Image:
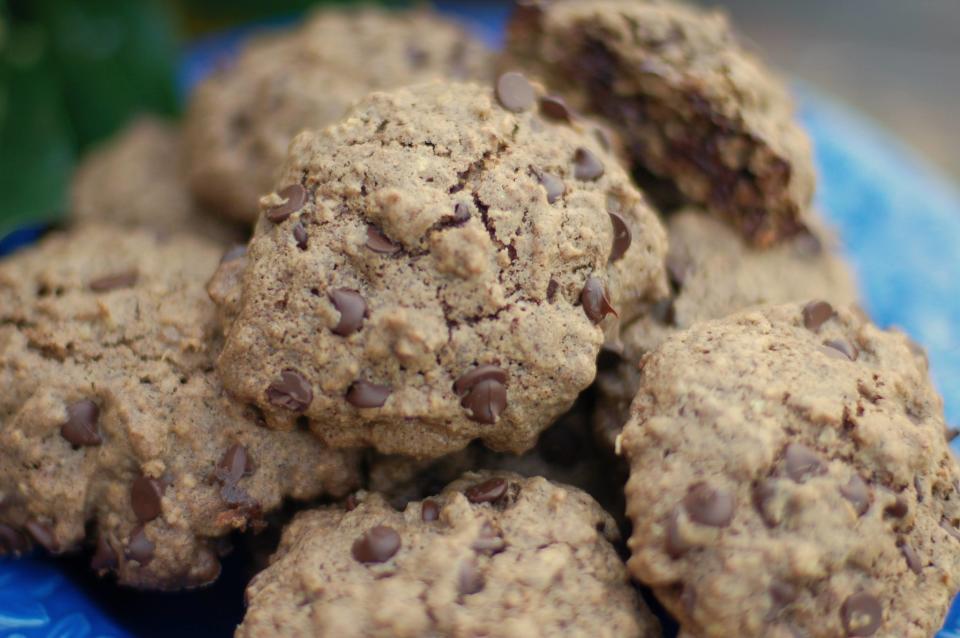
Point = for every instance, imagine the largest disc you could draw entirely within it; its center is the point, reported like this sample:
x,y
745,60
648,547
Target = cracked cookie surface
x,y
790,476
114,431
241,120
136,179
690,103
438,268
494,554
713,273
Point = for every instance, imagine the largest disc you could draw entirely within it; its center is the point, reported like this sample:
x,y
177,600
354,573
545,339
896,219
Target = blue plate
x,y
899,220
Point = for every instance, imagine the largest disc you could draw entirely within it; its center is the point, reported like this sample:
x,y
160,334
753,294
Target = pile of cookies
x,y
479,317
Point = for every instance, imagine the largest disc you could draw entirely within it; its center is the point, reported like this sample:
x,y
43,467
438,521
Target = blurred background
x,y
73,71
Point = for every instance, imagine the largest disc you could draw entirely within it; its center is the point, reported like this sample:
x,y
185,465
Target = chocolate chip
x,y
115,281
952,434
763,493
817,313
139,547
844,347
380,243
515,92
351,503
461,213
145,498
803,463
43,536
469,579
595,302
857,492
588,167
12,542
484,393
486,492
104,557
300,236
554,107
913,561
81,427
429,511
291,392
363,394
378,545
237,252
234,465
782,593
675,545
489,541
604,138
552,184
897,509
296,198
486,372
862,614
552,287
950,529
622,237
352,308
709,505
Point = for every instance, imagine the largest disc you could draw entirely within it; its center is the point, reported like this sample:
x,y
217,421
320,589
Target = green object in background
x,y
206,14
71,73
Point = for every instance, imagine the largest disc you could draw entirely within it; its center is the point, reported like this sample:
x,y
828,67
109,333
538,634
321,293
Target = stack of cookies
x,y
480,318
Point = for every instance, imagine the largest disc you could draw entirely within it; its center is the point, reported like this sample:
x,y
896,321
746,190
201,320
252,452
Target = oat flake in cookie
x,y
115,434
690,103
136,179
790,476
439,267
241,120
493,555
714,273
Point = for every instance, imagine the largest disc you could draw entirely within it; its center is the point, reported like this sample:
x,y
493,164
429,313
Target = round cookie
x,y
135,179
241,120
689,102
493,555
439,267
790,476
114,431
714,273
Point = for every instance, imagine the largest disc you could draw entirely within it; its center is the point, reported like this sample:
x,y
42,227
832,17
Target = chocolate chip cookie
x,y
440,267
136,179
714,273
114,431
690,102
789,476
493,555
241,120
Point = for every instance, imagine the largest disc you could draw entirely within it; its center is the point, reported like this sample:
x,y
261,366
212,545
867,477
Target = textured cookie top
x,y
242,119
714,273
439,267
136,179
790,476
690,102
114,431
493,555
